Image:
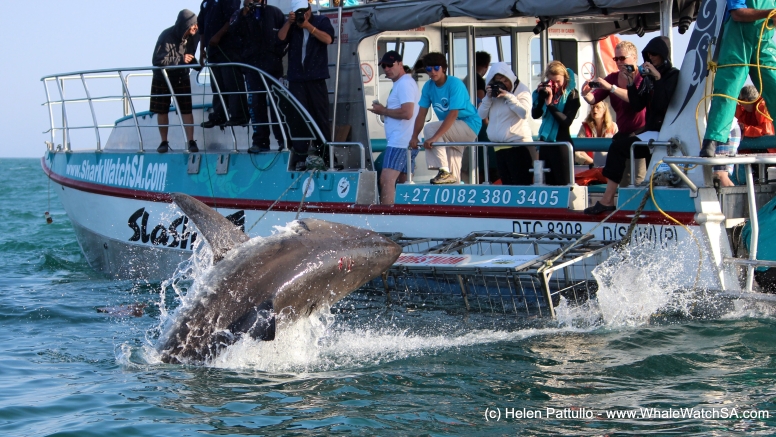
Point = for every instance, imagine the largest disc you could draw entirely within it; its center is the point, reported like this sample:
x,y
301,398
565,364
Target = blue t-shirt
x,y
451,95
735,4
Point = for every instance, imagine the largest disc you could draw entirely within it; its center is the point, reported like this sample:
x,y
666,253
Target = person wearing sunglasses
x,y
657,87
399,111
458,120
615,86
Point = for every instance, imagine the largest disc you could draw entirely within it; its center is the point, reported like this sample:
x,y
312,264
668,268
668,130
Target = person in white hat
x,y
308,38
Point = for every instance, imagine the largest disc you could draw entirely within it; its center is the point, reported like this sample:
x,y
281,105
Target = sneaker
x,y
444,177
164,147
193,147
211,123
708,149
315,163
599,208
300,166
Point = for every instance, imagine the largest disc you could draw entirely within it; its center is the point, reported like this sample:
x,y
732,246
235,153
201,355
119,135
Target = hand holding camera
x,y
545,90
496,88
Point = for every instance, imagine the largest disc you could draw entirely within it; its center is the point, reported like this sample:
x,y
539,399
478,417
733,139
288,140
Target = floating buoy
x,y
49,220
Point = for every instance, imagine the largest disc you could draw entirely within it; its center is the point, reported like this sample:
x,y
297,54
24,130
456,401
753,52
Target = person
x,y
507,104
308,38
742,40
176,46
723,172
257,25
598,124
654,93
458,120
399,111
615,86
556,102
218,45
753,117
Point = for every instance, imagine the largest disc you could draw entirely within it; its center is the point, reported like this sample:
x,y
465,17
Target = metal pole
x,y
485,164
132,108
275,110
755,226
223,105
544,52
409,167
177,106
336,74
51,111
91,106
65,132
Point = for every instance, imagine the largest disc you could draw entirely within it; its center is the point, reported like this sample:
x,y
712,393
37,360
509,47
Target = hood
x,y
185,20
657,45
503,69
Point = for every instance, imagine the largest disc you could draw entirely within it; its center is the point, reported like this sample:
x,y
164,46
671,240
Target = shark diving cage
x,y
499,273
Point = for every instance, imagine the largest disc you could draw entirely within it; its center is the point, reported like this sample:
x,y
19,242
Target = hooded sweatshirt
x,y
508,114
173,44
655,95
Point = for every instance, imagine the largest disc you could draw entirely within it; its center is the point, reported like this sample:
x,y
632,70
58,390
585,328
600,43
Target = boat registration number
x,y
483,195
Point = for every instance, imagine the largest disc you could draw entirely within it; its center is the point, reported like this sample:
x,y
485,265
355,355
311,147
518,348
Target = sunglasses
x,y
620,58
387,66
435,68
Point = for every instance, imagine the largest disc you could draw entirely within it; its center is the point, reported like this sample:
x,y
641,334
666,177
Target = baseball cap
x,y
390,57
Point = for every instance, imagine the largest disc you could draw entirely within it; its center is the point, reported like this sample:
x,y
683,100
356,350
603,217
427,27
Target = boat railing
x,y
486,180
743,160
671,146
60,107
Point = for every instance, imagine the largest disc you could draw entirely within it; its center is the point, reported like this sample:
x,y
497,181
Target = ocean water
x,y
703,366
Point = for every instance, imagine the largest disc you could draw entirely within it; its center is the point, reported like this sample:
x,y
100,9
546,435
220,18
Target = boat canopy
x,y
404,15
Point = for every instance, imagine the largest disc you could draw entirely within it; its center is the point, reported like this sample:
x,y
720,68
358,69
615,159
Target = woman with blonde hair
x,y
556,102
598,124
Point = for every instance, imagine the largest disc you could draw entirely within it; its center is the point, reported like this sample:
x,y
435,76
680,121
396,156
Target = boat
x,y
114,186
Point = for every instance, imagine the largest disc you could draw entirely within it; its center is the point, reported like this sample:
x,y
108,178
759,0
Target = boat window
x,y
563,50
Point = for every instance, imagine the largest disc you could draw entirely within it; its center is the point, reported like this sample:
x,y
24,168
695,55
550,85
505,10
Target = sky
x,y
48,37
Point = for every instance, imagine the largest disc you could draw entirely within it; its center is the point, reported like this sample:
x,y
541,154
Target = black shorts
x,y
160,93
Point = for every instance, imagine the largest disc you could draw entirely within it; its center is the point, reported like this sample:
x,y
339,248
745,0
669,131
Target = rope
x,y
276,202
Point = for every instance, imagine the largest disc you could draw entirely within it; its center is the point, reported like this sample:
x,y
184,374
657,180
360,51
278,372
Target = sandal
x,y
598,208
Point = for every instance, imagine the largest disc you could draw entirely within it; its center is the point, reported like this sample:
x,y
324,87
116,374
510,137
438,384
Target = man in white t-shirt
x,y
399,111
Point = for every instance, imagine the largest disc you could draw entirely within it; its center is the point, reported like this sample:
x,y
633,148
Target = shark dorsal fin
x,y
221,234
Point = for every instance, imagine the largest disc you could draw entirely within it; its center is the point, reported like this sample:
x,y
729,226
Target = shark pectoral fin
x,y
258,322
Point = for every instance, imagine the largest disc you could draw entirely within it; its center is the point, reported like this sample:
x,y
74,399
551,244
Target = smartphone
x,y
375,102
594,85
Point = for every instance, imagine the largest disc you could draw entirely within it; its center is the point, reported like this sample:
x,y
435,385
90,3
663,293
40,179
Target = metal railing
x,y
485,147
666,144
360,146
128,100
747,162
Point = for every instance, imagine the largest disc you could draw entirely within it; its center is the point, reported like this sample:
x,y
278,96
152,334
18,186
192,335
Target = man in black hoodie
x,y
654,93
257,25
175,46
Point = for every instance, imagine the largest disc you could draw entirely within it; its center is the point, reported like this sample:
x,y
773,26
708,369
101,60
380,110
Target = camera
x,y
299,14
643,70
496,87
255,5
543,93
594,85
629,68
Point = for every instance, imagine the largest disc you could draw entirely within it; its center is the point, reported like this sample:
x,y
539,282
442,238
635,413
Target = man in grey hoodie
x,y
175,46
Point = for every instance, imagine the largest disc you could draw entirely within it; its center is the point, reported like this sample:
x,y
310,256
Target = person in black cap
x,y
308,38
399,112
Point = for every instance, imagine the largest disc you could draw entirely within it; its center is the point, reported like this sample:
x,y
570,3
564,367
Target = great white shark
x,y
257,286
